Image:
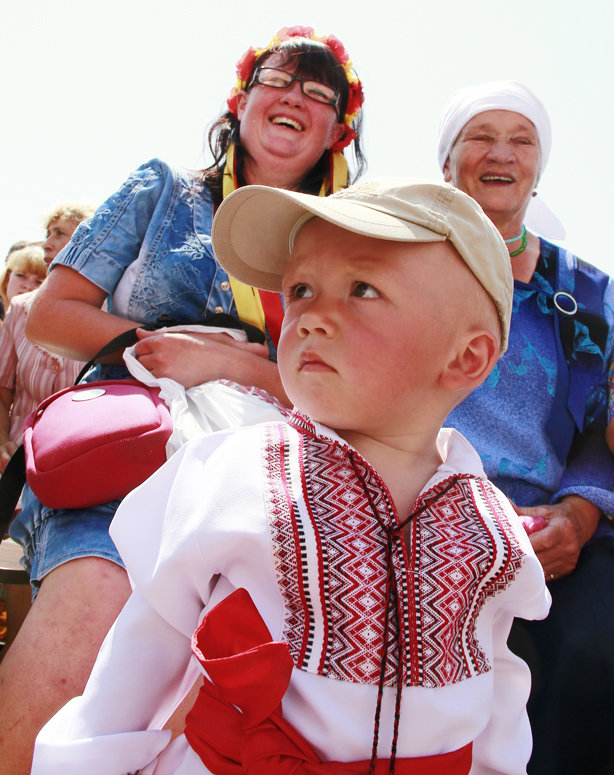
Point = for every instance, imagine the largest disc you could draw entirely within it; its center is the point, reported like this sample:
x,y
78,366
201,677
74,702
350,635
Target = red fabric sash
x,y
251,672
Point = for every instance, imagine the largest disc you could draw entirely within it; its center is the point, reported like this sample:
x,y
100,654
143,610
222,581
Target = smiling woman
x,y
147,252
283,126
496,160
539,425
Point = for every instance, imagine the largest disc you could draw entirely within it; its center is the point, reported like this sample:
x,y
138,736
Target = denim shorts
x,y
51,537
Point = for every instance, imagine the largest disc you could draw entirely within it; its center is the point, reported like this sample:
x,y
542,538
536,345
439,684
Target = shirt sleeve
x,y
504,745
589,472
105,245
145,665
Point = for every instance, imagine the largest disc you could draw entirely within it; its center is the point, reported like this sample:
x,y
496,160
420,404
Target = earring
x,y
534,193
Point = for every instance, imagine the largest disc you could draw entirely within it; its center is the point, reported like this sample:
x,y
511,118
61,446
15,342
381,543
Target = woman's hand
x,y
570,524
193,358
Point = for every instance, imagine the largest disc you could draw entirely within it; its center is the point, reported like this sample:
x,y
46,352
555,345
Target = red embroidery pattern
x,y
329,550
463,556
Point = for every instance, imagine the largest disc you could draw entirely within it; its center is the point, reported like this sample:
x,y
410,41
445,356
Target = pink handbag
x,y
95,442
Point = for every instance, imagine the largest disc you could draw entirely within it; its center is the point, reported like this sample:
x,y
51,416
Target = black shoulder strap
x,y
128,338
578,300
120,342
11,484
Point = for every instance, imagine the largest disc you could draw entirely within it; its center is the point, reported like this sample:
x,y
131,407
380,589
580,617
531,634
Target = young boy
x,y
352,563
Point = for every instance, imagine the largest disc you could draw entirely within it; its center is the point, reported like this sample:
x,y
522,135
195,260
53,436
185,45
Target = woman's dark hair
x,y
313,60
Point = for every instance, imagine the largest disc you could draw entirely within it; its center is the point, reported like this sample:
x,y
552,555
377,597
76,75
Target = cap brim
x,y
252,229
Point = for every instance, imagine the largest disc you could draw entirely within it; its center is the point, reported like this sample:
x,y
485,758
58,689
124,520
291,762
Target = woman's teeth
x,y
289,122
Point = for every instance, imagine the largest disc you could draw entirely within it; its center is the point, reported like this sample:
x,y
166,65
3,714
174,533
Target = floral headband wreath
x,y
245,66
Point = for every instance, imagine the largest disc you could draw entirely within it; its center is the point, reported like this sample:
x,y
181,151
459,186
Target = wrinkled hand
x,y
194,358
570,524
6,452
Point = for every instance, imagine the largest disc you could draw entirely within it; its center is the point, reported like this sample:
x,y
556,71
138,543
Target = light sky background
x,y
90,90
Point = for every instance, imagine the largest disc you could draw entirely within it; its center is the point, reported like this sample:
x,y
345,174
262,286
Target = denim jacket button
x,y
218,310
225,286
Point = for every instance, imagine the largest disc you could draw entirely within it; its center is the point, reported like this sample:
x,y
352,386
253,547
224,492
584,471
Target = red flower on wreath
x,y
297,31
337,47
245,65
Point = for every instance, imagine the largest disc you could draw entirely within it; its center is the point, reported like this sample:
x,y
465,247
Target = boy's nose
x,y
316,320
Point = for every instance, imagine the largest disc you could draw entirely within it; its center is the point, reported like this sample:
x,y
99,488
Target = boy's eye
x,y
20,275
365,291
300,291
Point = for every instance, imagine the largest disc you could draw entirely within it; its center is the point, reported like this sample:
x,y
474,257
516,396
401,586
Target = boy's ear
x,y
475,358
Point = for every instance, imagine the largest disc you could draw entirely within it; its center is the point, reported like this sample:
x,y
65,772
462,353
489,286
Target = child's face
x,y
368,324
21,282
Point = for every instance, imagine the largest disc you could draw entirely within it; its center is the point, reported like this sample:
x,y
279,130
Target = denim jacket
x,y
149,247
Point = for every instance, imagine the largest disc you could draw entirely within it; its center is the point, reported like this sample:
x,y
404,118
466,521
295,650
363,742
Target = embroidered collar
x,y
457,454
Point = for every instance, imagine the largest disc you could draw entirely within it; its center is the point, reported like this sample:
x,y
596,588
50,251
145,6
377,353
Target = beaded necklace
x,y
523,245
514,239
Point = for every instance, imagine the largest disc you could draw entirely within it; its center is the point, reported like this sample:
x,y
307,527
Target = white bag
x,y
212,406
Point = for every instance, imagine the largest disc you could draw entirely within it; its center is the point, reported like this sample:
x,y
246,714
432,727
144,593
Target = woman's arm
x,y
66,317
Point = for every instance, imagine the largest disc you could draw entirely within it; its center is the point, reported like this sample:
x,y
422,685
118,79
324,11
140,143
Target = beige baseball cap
x,y
255,227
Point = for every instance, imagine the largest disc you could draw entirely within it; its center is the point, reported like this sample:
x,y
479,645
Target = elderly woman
x,y
294,109
538,423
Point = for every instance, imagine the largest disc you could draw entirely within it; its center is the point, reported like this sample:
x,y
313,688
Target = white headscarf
x,y
502,95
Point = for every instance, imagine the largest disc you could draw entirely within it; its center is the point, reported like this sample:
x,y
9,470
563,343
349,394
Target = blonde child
x,y
24,270
354,572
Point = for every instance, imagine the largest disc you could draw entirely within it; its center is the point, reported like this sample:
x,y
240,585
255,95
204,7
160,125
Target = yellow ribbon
x,y
247,298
